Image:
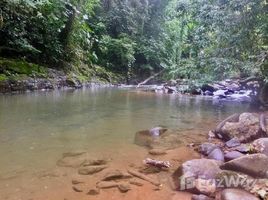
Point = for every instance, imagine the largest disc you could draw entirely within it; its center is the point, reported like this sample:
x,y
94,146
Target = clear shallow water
x,y
36,128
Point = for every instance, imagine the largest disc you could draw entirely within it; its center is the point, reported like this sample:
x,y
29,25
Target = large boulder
x,y
232,179
196,175
158,138
246,129
235,194
200,168
255,165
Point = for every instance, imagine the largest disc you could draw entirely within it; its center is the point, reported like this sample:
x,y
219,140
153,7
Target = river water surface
x,y
36,128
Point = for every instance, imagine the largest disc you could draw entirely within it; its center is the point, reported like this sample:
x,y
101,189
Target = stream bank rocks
x,y
234,164
227,90
54,80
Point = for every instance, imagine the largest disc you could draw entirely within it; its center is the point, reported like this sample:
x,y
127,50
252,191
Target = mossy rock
x,y
3,77
11,67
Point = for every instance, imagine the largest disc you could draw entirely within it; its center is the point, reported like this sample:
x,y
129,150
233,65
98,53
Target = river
x,y
36,128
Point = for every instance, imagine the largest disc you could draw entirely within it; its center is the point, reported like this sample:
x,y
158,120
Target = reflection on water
x,y
35,128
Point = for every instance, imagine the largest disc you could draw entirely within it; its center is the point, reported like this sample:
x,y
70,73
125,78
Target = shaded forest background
x,y
200,40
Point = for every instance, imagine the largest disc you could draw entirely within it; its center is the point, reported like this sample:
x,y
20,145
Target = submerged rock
x,y
73,160
114,175
255,165
164,139
157,152
77,159
236,194
77,188
91,169
124,187
156,131
94,191
106,184
136,182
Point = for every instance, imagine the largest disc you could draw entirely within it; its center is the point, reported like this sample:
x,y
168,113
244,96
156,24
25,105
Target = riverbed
x,y
37,128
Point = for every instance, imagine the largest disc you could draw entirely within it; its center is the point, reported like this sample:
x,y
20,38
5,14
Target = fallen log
x,y
232,118
157,163
143,177
150,78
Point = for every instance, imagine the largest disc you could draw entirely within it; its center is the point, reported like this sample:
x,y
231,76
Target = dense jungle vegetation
x,y
200,40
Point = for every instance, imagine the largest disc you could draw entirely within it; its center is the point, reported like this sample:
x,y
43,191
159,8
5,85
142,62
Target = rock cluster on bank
x,y
234,164
229,89
55,80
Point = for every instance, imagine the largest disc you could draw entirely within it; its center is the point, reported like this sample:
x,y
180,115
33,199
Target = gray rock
x,y
200,197
261,145
200,168
206,148
233,142
243,148
232,155
194,174
255,165
156,131
245,130
216,154
236,194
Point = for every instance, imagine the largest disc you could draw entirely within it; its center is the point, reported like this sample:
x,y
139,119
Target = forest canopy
x,y
201,40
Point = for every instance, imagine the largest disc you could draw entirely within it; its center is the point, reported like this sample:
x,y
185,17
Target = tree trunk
x,y
150,78
67,30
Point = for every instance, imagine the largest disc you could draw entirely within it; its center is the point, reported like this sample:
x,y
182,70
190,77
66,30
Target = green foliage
x,y
9,67
201,40
3,77
212,40
118,54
